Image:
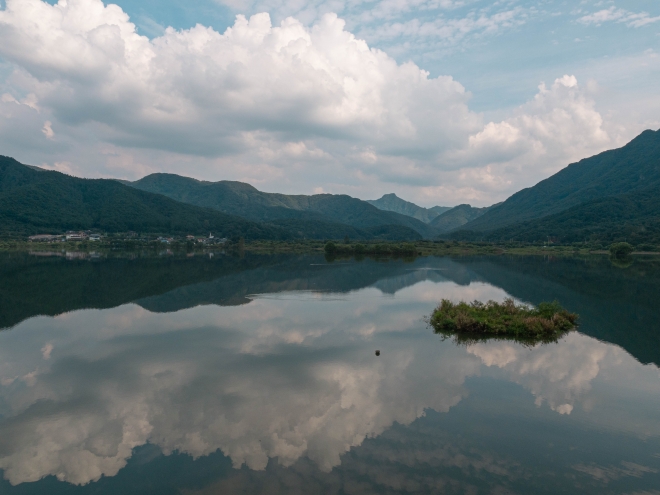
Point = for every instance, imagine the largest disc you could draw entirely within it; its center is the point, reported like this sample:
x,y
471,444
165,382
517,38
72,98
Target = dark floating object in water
x,y
377,352
471,322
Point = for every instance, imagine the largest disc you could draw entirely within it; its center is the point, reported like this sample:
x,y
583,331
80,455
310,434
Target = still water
x,y
258,375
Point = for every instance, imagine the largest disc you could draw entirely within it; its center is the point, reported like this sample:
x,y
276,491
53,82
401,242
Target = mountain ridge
x,y
633,166
391,202
33,201
633,217
243,199
457,217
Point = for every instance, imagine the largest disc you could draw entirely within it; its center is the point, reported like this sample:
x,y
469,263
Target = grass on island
x,y
471,322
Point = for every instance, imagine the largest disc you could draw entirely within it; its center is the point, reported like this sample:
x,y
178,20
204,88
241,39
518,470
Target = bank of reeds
x,y
471,322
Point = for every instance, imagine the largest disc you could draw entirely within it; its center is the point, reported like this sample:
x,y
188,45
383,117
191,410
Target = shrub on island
x,y
621,249
469,322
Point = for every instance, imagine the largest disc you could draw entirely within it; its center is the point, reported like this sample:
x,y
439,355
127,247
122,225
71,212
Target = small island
x,y
475,321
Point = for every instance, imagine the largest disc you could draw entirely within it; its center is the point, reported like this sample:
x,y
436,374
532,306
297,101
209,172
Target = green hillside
x,y
242,199
36,201
632,217
391,202
456,217
635,166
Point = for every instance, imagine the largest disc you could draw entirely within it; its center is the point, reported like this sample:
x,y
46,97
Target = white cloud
x,y
558,126
48,129
614,14
560,121
202,92
286,107
448,31
358,11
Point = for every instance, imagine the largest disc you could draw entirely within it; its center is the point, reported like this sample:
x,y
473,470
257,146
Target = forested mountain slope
x,y
456,217
39,201
635,166
633,217
391,202
242,199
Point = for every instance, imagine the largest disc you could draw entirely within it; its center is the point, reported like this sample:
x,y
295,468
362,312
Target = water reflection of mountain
x,y
307,274
31,285
616,305
285,395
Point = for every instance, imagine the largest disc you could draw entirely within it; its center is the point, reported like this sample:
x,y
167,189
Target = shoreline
x,y
422,248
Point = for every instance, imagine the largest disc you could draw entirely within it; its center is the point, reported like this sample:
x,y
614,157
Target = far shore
x,y
421,248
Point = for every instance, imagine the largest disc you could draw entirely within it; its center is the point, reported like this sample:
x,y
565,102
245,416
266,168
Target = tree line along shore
x,y
331,248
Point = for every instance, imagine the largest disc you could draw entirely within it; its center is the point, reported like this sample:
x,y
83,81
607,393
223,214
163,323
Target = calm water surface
x,y
253,375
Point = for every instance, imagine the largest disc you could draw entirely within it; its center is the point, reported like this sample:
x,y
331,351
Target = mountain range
x,y
457,217
34,201
609,197
288,211
391,202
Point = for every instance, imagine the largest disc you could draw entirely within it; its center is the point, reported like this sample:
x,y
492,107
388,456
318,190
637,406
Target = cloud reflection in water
x,y
282,377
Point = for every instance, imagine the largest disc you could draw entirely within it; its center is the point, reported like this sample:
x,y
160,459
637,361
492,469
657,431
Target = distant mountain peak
x,y
457,217
391,202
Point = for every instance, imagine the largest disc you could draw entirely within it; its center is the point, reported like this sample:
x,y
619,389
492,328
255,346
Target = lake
x,y
258,374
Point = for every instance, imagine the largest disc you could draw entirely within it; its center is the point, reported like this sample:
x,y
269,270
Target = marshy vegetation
x,y
475,321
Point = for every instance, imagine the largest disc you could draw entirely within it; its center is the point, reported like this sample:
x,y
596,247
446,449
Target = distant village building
x,y
94,237
75,236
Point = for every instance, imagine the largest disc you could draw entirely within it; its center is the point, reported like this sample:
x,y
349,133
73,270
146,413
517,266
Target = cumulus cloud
x,y
297,106
203,92
558,126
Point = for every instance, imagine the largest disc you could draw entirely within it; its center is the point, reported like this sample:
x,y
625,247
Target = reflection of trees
x,y
467,340
32,286
622,261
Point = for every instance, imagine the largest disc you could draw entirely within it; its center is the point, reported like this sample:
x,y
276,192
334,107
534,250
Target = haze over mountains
x,y
611,196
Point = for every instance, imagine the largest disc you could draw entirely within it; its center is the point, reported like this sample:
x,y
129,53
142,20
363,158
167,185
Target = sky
x,y
442,102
